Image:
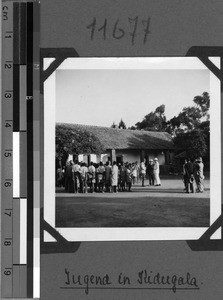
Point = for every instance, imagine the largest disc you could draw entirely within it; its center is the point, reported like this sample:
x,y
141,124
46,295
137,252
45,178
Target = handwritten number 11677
x,y
119,32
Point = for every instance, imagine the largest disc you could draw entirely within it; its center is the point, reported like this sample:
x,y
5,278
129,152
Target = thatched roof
x,y
115,138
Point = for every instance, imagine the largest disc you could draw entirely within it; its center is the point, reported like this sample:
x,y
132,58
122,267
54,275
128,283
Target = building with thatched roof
x,y
128,145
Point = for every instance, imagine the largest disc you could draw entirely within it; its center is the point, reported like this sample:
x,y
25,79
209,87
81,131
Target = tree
x,y
193,142
191,128
204,127
122,124
203,102
71,140
132,128
191,117
154,121
114,125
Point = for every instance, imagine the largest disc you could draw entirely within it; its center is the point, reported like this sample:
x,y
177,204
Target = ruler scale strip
x,y
7,153
19,131
20,125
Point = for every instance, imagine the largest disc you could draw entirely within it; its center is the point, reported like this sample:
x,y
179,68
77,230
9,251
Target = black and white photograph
x,y
112,158
132,143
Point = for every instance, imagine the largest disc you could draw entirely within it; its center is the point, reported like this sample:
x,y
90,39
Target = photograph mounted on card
x,y
131,148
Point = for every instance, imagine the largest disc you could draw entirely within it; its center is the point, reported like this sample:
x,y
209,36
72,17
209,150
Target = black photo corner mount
x,y
204,243
60,54
61,245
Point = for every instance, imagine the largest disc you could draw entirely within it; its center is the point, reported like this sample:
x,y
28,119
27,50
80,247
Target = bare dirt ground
x,y
165,206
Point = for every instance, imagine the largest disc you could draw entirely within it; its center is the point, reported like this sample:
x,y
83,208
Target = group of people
x,y
193,172
78,177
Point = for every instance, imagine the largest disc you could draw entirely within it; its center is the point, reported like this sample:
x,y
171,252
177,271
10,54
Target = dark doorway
x,y
119,159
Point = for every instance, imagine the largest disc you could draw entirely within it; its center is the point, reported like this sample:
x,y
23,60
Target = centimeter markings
x,y
20,85
19,149
7,153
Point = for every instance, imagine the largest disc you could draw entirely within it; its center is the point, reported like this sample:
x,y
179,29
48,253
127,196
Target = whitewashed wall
x,y
128,156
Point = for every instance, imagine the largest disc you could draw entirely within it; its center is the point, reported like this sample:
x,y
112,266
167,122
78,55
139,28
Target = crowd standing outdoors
x,y
77,177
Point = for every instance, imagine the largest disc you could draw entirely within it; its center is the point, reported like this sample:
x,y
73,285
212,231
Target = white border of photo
x,y
134,233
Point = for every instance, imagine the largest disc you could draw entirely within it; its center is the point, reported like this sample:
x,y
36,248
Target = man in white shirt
x,y
100,174
83,178
76,175
76,167
91,176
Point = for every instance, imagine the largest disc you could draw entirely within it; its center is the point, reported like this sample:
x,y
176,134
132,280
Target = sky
x,y
103,96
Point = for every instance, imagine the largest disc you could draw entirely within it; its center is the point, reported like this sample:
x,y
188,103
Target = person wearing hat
x,y
150,172
199,174
157,172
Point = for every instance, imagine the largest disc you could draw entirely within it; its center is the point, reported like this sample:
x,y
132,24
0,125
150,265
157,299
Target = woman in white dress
x,y
157,172
114,176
